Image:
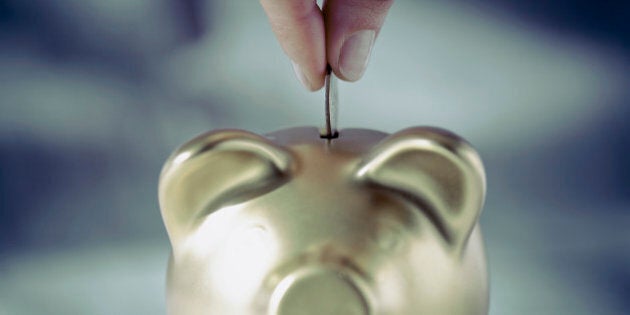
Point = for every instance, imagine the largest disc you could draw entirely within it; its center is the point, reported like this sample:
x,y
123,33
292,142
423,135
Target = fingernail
x,y
355,54
301,76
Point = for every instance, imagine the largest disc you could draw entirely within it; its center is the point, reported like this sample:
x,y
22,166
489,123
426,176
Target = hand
x,y
342,35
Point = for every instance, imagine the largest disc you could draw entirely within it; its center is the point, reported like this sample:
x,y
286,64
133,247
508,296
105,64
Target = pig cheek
x,y
415,268
391,241
243,262
223,263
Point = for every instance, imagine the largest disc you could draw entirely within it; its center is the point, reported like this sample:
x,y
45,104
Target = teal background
x,y
94,95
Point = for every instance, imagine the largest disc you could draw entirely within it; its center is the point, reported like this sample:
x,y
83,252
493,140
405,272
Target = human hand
x,y
341,34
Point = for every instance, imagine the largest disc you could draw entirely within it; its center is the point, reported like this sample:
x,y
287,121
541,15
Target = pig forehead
x,y
324,174
324,186
303,214
323,182
349,141
326,162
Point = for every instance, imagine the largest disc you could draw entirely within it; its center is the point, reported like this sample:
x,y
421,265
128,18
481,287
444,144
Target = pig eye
x,y
254,239
389,235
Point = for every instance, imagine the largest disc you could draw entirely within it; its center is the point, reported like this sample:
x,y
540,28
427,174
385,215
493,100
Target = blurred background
x,y
94,95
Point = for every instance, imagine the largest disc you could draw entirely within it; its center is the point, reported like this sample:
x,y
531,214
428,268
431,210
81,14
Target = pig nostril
x,y
318,290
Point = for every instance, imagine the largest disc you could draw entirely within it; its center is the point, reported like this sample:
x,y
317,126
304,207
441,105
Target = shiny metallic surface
x,y
291,223
318,290
331,105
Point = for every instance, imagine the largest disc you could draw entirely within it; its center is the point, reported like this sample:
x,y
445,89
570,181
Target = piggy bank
x,y
293,224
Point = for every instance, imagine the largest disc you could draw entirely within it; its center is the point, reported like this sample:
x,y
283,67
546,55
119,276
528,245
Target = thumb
x,y
351,28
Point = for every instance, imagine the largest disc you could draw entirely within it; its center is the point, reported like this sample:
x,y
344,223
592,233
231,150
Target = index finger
x,y
299,27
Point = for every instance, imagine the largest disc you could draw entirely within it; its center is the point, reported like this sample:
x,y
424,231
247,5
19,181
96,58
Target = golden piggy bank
x,y
293,224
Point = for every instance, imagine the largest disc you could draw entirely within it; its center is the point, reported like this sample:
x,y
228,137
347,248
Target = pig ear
x,y
436,170
216,169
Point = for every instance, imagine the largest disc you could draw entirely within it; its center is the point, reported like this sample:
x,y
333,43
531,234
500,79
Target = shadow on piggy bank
x,y
293,224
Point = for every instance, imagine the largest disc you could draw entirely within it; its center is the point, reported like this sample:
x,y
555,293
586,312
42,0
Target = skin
x,y
313,37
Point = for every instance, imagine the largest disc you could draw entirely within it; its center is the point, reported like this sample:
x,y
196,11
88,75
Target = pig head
x,y
292,224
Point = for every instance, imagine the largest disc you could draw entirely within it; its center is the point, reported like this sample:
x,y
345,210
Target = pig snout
x,y
312,290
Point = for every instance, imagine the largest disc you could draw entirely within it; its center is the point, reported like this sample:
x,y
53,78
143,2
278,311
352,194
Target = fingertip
x,y
317,82
300,75
312,81
355,54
